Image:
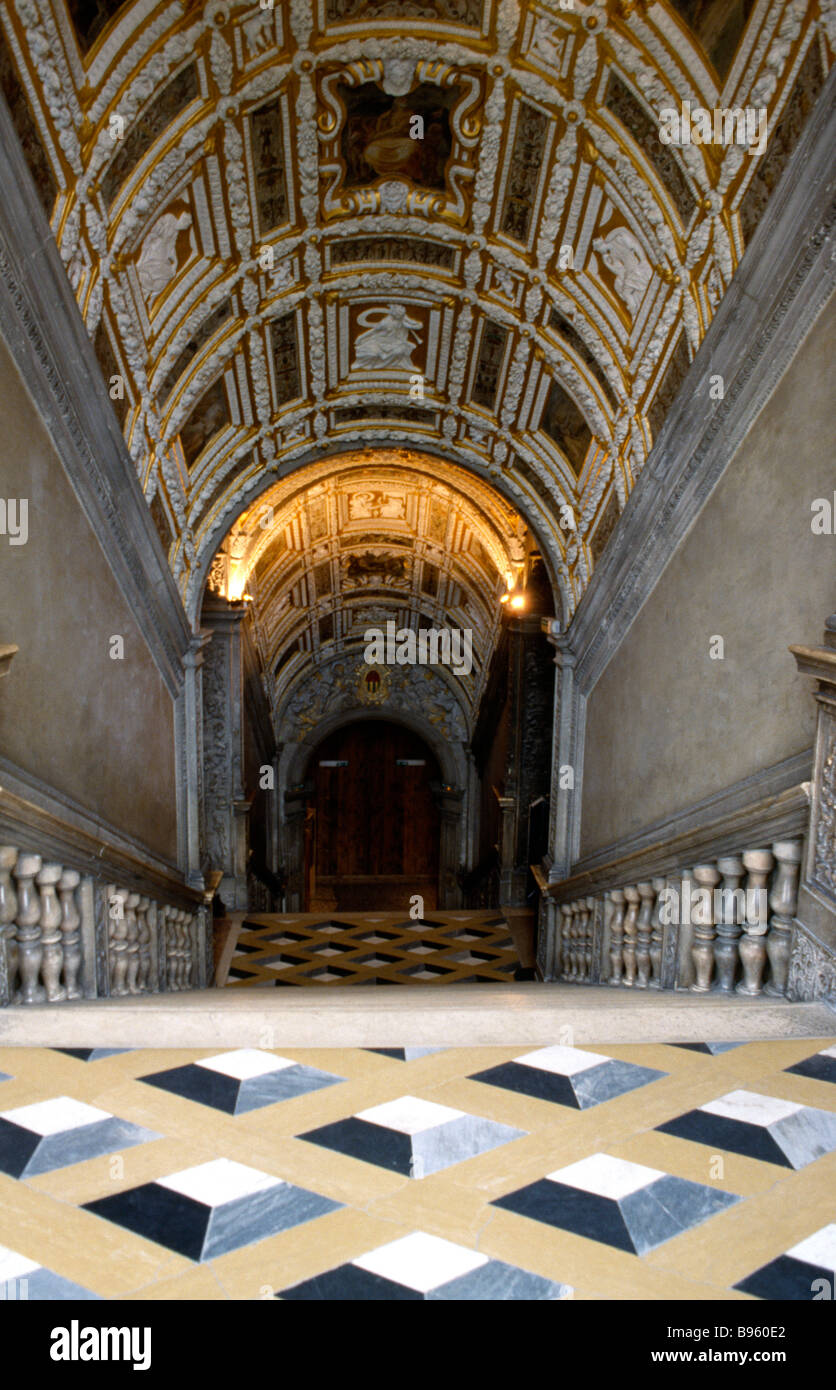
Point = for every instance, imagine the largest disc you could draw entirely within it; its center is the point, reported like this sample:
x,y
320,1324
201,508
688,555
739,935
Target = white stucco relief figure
x,y
621,253
387,339
369,506
157,263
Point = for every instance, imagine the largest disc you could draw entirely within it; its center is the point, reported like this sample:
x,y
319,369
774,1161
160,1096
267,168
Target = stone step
x,y
471,1015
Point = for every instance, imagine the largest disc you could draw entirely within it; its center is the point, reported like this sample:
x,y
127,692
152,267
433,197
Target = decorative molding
x,y
812,973
37,819
770,805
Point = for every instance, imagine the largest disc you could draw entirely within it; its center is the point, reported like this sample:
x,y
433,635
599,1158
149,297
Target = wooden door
x,y
377,822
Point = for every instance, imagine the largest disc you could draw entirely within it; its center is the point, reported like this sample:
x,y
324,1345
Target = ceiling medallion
x,y
372,683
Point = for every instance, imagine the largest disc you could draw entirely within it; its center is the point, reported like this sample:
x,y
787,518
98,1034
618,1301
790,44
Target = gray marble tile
x,y
261,1214
458,1140
668,1207
805,1136
87,1141
613,1078
500,1282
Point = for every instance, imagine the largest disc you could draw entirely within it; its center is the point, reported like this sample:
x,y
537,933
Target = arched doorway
x,y
373,840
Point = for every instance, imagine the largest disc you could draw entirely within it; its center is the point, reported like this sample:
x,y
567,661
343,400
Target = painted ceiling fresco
x,y
278,263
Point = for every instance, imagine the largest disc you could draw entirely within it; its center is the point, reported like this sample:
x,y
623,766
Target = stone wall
x,y
97,730
667,725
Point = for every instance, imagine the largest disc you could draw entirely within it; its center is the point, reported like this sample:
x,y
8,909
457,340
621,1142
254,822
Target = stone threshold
x,y
467,1015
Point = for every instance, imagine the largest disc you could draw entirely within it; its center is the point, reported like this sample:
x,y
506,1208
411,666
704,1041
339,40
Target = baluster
x,y
782,900
752,947
565,929
132,943
630,921
70,931
171,938
580,954
8,913
52,958
644,930
189,951
657,934
577,910
117,941
728,923
702,950
589,943
618,899
143,978
29,948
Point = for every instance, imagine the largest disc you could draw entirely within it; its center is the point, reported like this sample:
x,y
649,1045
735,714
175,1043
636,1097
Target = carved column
x,y
30,952
618,899
8,913
728,922
752,948
702,950
226,804
782,901
450,801
644,931
71,931
583,931
657,935
53,955
812,973
630,922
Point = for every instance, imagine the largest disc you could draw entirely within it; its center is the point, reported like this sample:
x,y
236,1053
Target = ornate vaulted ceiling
x,y
366,539
300,229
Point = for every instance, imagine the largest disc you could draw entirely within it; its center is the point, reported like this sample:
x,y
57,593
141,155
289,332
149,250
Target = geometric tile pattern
x,y
764,1127
568,1076
92,1054
411,1136
793,1275
240,1081
56,1133
624,1204
212,1208
820,1067
373,949
22,1279
405,1054
421,1266
260,1184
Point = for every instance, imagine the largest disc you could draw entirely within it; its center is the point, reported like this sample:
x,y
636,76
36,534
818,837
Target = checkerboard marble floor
x,y
694,1172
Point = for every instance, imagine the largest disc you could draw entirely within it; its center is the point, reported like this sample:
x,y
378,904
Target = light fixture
x,y
517,600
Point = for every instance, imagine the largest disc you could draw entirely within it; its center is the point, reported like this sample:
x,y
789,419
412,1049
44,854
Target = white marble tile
x,y
818,1249
750,1108
563,1061
409,1115
245,1063
606,1176
54,1116
221,1180
421,1262
827,1052
14,1266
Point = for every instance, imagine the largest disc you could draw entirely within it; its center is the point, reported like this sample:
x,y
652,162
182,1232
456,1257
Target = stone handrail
x,y
722,925
69,935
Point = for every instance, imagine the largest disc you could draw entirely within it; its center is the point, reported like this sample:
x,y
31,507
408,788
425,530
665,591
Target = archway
x,y
373,838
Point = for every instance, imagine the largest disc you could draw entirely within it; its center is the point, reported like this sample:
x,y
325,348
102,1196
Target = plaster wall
x,y
666,724
98,730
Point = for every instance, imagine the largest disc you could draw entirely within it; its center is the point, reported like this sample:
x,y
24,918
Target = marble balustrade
x,y
65,935
723,926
